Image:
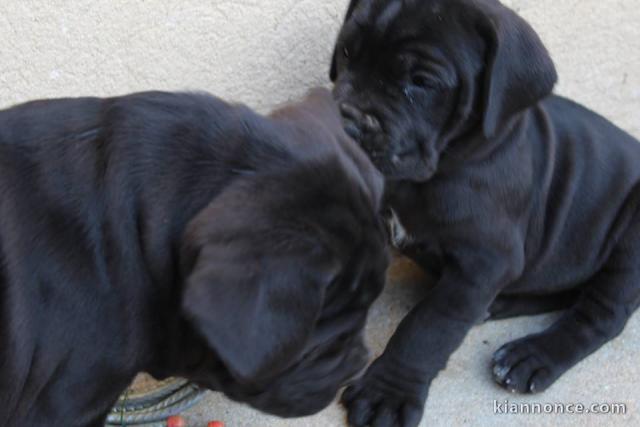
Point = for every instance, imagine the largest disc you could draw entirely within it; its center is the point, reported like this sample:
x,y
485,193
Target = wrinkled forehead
x,y
383,12
444,23
446,28
381,17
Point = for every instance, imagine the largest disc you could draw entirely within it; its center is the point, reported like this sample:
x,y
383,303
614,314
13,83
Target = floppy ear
x,y
520,71
253,290
333,73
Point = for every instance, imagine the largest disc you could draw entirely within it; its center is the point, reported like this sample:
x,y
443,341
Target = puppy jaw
x,y
313,382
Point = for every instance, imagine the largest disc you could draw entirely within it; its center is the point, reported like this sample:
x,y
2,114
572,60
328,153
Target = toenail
x,y
500,371
499,354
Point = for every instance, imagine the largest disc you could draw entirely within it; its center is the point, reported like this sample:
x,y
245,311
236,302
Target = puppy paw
x,y
525,366
382,398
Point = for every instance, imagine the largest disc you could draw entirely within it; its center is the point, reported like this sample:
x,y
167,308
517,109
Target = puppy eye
x,y
424,80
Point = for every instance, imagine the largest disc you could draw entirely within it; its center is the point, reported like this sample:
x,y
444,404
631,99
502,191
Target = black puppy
x,y
180,235
520,201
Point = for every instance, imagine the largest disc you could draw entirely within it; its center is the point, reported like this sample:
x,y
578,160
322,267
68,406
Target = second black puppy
x,y
520,201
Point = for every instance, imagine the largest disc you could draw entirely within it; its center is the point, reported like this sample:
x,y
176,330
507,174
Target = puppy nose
x,y
361,120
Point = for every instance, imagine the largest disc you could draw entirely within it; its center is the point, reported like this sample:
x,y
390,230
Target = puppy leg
x,y
533,363
393,390
506,306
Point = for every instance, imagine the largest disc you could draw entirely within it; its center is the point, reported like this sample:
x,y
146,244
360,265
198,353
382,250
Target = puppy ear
x,y
254,289
333,73
520,71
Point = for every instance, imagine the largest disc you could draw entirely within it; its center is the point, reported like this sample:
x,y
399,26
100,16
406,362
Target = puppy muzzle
x,y
312,385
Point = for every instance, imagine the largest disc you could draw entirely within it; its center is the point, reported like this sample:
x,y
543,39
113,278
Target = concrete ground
x,y
267,52
464,393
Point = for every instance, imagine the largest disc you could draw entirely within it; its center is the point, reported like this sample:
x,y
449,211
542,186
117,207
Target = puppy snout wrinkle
x,y
352,129
364,121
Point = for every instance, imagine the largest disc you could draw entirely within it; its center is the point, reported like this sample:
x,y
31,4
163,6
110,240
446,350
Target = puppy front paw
x,y
386,396
525,366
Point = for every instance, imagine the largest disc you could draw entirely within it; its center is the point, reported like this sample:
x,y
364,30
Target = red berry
x,y
176,421
215,424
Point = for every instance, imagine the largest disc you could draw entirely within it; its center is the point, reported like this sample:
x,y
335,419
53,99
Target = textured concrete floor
x,y
266,52
464,393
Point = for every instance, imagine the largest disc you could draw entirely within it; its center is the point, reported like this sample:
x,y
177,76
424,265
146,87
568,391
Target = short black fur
x,y
181,235
518,200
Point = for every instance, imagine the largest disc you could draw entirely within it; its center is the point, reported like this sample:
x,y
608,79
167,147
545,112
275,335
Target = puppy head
x,y
413,77
281,269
